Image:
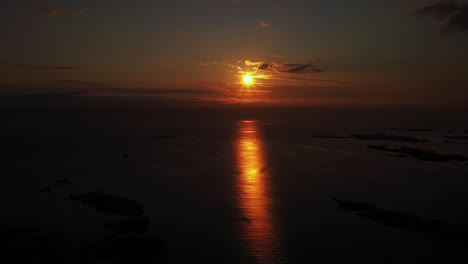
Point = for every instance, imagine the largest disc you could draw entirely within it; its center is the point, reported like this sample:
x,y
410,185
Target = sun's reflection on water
x,y
258,231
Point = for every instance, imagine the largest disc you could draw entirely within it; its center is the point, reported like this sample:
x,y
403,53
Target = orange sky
x,y
297,51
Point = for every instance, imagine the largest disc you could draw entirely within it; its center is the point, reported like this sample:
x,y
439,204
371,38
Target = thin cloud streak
x,y
37,67
78,82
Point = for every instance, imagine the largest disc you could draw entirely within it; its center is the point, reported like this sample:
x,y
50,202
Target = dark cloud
x,y
57,94
31,96
78,82
459,21
37,67
297,68
343,83
49,95
284,67
301,68
263,67
439,11
455,15
181,91
147,91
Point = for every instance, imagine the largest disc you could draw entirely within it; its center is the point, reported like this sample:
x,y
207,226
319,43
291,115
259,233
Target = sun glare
x,y
248,79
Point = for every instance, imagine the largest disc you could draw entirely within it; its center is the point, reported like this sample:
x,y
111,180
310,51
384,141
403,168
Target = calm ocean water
x,y
236,187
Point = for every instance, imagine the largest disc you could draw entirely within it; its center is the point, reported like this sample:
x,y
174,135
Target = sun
x,y
248,79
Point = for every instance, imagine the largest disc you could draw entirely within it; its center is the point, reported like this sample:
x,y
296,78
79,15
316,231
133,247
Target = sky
x,y
297,51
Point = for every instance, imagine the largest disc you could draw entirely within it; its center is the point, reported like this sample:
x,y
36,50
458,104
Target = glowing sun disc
x,y
248,79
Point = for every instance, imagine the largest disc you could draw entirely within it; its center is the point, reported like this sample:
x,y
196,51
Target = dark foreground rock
x,y
435,228
137,225
110,204
23,245
354,206
123,250
387,137
62,182
45,190
420,154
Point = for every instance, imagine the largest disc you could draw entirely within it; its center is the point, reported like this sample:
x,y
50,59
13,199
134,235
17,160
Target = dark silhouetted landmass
x,y
458,137
435,228
354,206
449,131
23,245
124,250
167,137
17,232
328,136
62,182
110,204
137,225
387,137
421,129
420,154
45,190
399,156
392,129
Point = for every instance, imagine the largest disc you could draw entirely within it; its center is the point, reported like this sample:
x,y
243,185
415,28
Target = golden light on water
x,y
258,231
